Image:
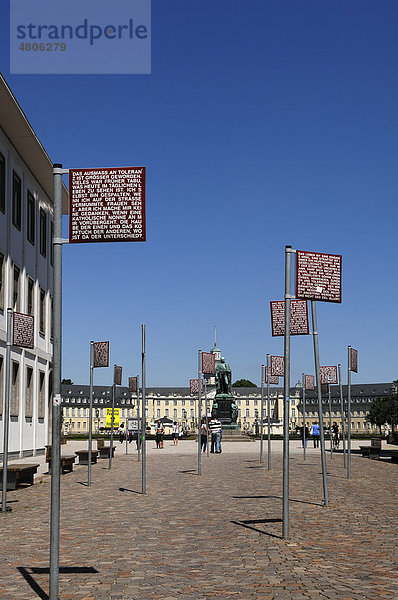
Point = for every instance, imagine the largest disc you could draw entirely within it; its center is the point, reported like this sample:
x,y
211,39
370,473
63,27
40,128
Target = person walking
x,y
218,441
203,435
215,430
304,433
335,435
175,433
121,433
315,434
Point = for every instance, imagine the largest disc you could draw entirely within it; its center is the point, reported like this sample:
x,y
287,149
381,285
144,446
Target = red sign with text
x,y
298,317
354,360
309,382
278,366
101,354
328,374
133,384
107,205
23,327
208,363
318,276
274,379
194,386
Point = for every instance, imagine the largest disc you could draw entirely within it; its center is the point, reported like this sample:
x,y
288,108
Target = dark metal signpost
x,y
328,377
117,380
308,384
352,366
318,278
106,205
208,370
99,357
135,388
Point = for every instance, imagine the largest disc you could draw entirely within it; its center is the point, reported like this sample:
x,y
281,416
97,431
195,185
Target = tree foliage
x,y
243,383
384,410
67,381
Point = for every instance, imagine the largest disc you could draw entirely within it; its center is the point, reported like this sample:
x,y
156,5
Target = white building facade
x,y
26,276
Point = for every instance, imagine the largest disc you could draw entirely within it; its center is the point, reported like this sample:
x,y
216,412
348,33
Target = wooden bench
x,y
18,473
83,456
373,451
104,451
67,462
393,454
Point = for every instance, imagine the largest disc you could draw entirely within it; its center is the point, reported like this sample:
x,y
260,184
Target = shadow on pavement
x,y
280,498
247,525
28,572
121,489
192,471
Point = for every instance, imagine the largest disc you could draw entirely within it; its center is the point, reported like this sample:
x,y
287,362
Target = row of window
x,y
28,392
30,295
16,209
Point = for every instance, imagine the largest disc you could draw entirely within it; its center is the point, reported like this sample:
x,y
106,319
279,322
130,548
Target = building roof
x,y
19,131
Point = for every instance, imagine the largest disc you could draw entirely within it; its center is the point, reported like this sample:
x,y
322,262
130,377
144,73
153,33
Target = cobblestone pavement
x,y
208,537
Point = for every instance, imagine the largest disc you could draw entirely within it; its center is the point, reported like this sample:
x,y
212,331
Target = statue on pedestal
x,y
224,405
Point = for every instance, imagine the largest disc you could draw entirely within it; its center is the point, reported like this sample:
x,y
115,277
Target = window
x,y
175,402
78,424
79,412
293,412
192,402
166,412
16,200
30,296
51,317
84,425
14,400
2,262
166,402
175,413
51,244
192,413
30,218
158,413
247,402
43,233
15,291
28,392
42,320
42,391
73,424
247,412
1,384
158,402
183,403
2,183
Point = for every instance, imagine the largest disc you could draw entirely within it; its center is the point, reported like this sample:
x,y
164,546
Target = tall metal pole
x,y
143,410
6,414
90,411
113,416
139,421
268,414
330,420
199,412
320,412
207,420
342,418
349,414
56,408
261,413
286,395
304,438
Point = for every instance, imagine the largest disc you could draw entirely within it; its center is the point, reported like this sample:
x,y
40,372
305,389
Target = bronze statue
x,y
223,378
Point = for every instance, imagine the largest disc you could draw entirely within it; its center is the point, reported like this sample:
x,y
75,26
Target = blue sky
x,y
263,123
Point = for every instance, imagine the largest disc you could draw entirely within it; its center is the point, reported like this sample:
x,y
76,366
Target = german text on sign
x,y
318,276
107,205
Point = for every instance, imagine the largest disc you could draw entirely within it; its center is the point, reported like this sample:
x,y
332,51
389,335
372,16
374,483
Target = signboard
x,y
298,317
354,360
278,366
272,378
324,389
117,375
23,327
318,276
107,205
309,382
116,417
194,386
101,354
132,424
133,384
328,374
208,363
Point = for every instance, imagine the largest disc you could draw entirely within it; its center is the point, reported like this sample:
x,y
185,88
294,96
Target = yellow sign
x,y
116,417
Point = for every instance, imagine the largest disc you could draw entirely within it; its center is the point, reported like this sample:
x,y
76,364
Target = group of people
x,y
314,431
159,434
215,429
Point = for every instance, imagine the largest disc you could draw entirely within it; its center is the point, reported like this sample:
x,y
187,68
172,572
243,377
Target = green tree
x,y
384,410
243,383
67,381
